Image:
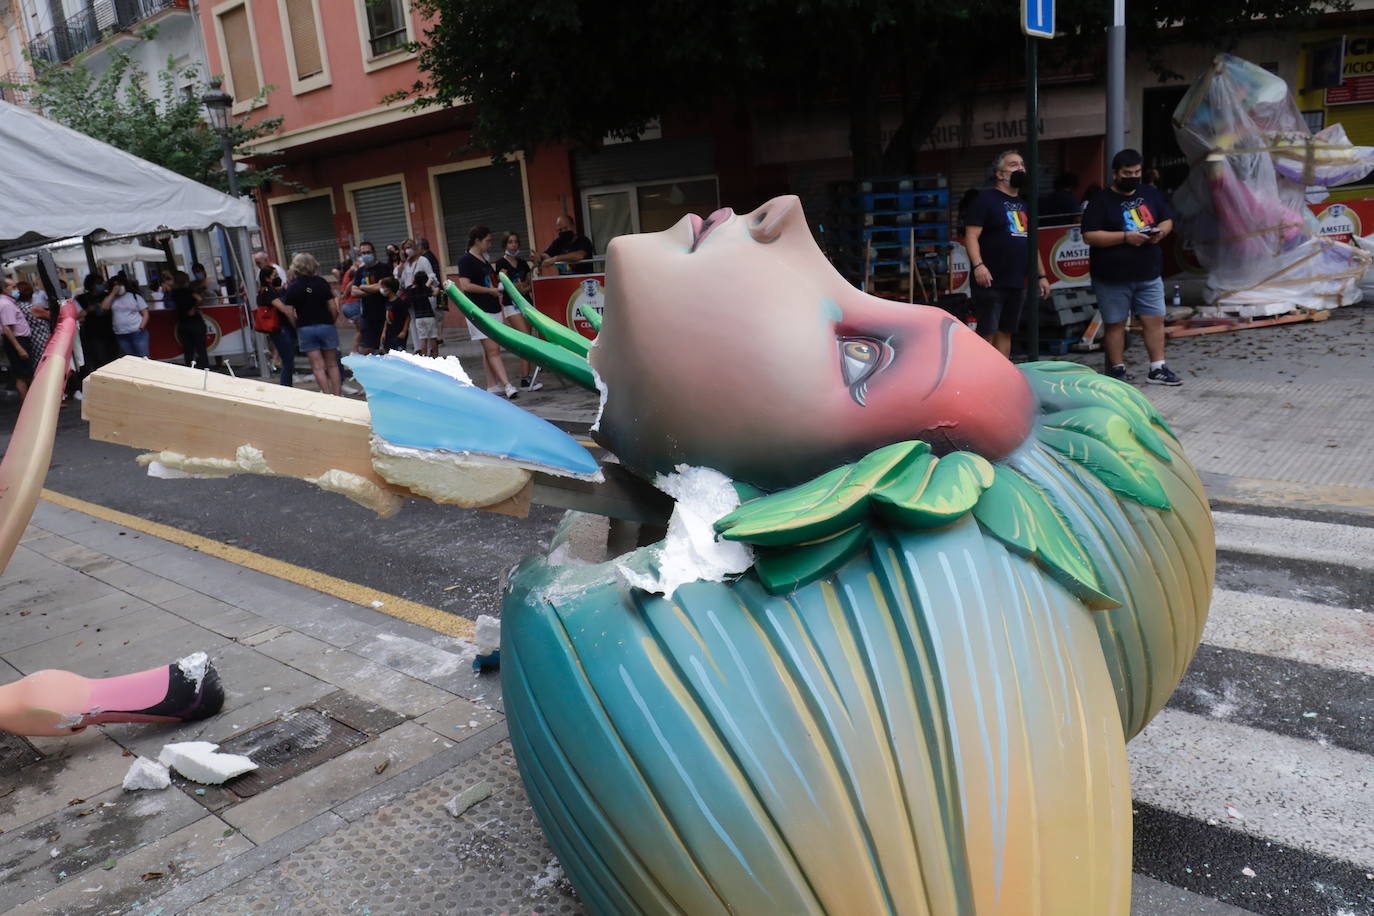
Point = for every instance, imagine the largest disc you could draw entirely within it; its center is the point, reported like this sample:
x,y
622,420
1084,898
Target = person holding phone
x,y
1123,225
130,312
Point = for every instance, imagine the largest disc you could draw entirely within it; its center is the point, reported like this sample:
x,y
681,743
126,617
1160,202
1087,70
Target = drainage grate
x,y
15,753
296,742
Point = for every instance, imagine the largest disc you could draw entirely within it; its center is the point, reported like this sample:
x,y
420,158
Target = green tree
x,y
117,106
575,72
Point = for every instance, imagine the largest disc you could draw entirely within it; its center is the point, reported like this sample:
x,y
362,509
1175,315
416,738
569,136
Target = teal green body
x,y
935,726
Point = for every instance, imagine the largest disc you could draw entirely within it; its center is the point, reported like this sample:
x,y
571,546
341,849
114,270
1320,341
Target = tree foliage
x,y
117,105
574,72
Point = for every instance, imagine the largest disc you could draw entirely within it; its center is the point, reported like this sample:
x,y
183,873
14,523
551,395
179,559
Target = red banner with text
x,y
560,298
225,332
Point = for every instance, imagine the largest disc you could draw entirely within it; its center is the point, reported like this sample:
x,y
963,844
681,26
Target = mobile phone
x,y
1150,230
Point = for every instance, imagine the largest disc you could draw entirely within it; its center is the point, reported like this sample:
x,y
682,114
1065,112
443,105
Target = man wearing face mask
x,y
568,249
996,238
367,286
1124,225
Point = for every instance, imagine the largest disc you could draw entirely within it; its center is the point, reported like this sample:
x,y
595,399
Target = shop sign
x,y
958,269
1068,259
560,298
1357,73
223,337
1338,222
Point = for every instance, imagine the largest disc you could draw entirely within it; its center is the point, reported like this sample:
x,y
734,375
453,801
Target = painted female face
x,y
782,370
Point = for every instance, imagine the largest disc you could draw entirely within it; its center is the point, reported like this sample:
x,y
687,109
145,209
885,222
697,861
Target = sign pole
x,y
1032,192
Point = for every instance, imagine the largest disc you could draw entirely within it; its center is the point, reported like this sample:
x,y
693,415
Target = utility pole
x,y
1116,87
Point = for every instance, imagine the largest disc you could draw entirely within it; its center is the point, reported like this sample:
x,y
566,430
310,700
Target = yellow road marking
x,y
587,443
392,605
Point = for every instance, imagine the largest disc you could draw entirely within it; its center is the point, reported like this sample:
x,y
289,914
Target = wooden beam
x,y
157,406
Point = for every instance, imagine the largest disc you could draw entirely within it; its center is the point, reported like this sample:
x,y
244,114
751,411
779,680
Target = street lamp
x,y
218,103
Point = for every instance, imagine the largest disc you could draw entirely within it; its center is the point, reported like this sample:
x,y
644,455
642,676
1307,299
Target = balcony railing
x,y
95,24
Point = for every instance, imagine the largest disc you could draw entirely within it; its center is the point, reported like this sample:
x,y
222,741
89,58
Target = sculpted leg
x,y
62,703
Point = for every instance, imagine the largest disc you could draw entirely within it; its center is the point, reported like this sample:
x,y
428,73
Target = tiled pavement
x,y
371,725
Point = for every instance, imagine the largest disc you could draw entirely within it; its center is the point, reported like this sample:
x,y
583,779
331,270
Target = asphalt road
x,y
443,556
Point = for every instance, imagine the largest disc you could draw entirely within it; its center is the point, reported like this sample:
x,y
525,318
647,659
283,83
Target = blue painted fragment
x,y
420,408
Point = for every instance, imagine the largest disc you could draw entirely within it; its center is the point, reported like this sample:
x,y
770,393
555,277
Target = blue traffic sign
x,y
1037,18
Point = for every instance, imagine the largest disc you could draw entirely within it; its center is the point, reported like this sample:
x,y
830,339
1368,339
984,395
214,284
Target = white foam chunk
x,y
488,634
193,667
448,365
691,551
146,774
200,761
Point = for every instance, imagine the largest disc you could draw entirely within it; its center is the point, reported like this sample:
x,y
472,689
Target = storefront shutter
x,y
308,225
238,44
645,160
489,195
305,42
380,212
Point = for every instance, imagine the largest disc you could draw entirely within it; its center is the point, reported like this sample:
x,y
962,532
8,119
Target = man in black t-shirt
x,y
568,248
996,239
1124,225
367,286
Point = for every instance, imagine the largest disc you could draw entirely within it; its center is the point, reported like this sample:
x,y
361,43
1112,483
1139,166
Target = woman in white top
x,y
130,317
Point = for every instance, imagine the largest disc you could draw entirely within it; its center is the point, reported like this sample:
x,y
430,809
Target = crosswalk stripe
x,y
1347,545
1289,790
1300,630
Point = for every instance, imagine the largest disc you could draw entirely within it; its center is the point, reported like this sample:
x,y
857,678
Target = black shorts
x,y
370,337
998,308
20,367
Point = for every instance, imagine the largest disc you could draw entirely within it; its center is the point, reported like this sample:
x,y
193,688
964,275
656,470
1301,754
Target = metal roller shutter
x,y
308,225
645,160
489,195
380,212
305,42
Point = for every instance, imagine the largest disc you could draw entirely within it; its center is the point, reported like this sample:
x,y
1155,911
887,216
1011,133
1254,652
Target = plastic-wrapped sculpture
x,y
1243,207
60,702
966,585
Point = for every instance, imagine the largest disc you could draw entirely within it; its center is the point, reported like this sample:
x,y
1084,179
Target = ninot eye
x,y
860,359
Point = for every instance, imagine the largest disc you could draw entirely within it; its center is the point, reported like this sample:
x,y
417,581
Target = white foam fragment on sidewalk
x,y
200,761
146,774
1289,790
488,634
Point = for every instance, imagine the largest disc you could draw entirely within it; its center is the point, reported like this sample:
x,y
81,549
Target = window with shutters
x,y
485,195
305,51
307,225
380,211
239,53
386,30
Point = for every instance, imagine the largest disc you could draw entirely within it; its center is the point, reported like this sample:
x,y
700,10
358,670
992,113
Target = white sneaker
x,y
512,392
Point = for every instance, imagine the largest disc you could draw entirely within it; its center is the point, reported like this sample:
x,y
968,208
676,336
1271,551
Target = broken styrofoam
x,y
200,761
692,551
146,774
488,634
193,667
465,799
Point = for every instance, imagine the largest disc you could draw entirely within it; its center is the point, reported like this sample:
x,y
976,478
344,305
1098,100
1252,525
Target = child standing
x,y
397,316
422,311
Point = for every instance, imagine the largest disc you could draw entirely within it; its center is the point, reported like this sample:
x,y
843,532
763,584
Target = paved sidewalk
x,y
365,727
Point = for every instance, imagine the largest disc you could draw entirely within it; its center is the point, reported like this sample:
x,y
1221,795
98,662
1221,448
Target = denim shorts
x,y
317,337
352,310
1116,301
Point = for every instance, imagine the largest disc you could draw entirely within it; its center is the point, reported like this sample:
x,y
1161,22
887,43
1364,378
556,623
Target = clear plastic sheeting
x,y
1243,206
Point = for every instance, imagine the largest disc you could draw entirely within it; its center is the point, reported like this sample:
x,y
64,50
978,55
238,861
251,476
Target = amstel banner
x,y
560,297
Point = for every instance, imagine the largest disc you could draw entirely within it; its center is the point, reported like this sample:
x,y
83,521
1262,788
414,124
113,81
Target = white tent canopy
x,y
59,183
74,257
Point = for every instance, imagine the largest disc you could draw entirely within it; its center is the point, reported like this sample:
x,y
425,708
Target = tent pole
x,y
89,248
243,266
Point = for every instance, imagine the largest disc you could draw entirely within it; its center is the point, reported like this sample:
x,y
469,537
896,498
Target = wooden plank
x,y
1187,327
156,406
